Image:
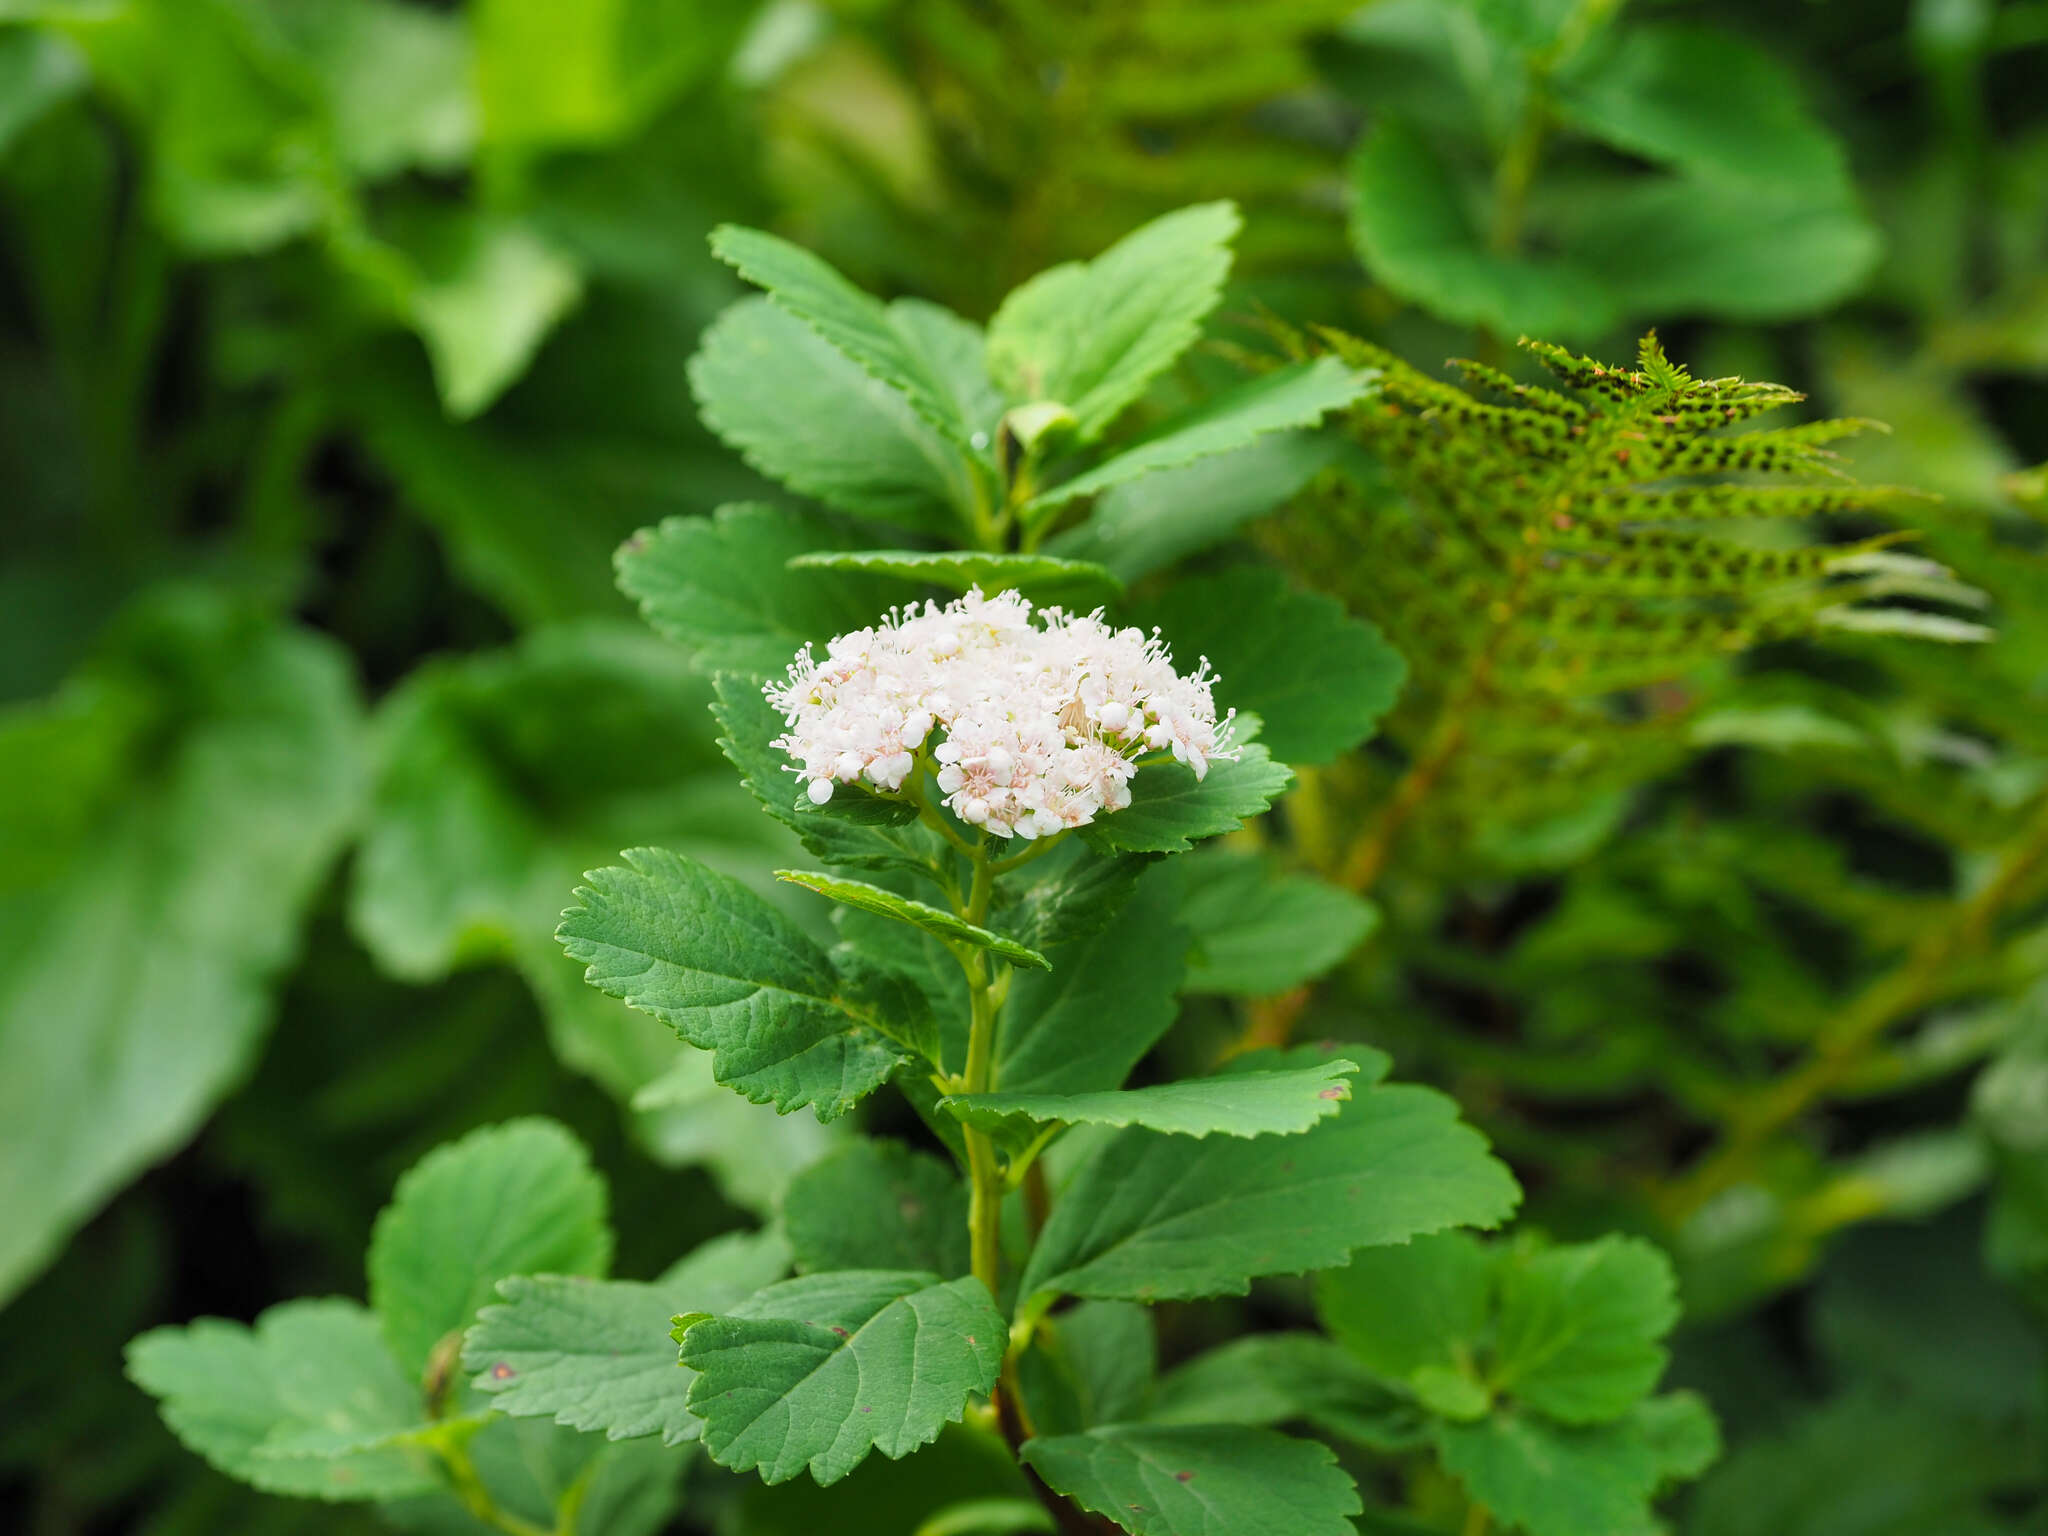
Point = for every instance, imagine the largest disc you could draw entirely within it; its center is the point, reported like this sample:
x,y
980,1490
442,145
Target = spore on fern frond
x,y
1564,566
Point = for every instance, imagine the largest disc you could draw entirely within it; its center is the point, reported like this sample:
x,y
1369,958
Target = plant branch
x,y
985,1179
1071,1520
1369,854
1851,1035
451,1444
1038,850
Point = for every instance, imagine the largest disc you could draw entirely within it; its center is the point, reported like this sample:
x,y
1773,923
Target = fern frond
x,y
1060,125
1553,559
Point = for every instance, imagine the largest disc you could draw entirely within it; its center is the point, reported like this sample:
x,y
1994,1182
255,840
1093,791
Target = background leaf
x,y
503,777
148,917
229,1392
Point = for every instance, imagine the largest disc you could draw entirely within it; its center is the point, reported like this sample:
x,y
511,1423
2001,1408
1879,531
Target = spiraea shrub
x,y
1019,771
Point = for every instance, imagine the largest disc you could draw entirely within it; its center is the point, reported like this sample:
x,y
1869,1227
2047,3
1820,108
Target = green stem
x,y
1516,172
452,1446
985,1178
987,1183
1037,850
1851,1034
570,1506
929,815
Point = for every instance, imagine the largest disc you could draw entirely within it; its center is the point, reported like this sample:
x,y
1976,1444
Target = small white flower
x,y
1040,720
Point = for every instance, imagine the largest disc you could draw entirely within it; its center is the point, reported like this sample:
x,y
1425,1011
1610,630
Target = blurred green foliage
x,y
342,342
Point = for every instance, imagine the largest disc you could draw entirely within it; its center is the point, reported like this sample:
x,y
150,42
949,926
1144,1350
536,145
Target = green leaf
x,y
596,1355
395,79
155,876
878,1205
1278,1378
1258,931
229,1393
1867,1463
751,726
807,287
731,975
488,292
1373,1066
1156,1480
1171,810
1051,1037
1551,1480
1419,1307
1701,99
1092,1364
895,1004
1296,396
514,1199
1092,335
590,74
38,70
1681,245
718,587
1411,224
1076,893
938,923
954,356
1146,525
989,1517
1318,679
1155,1217
494,489
750,1151
1579,1327
800,411
1239,1104
815,1372
1043,578
236,138
508,773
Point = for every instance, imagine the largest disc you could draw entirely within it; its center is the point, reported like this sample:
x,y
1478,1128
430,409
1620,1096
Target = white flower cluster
x,y
1042,721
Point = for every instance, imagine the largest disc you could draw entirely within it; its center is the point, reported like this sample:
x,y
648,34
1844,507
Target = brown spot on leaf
x,y
1183,1477
502,1372
1332,1093
841,1331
